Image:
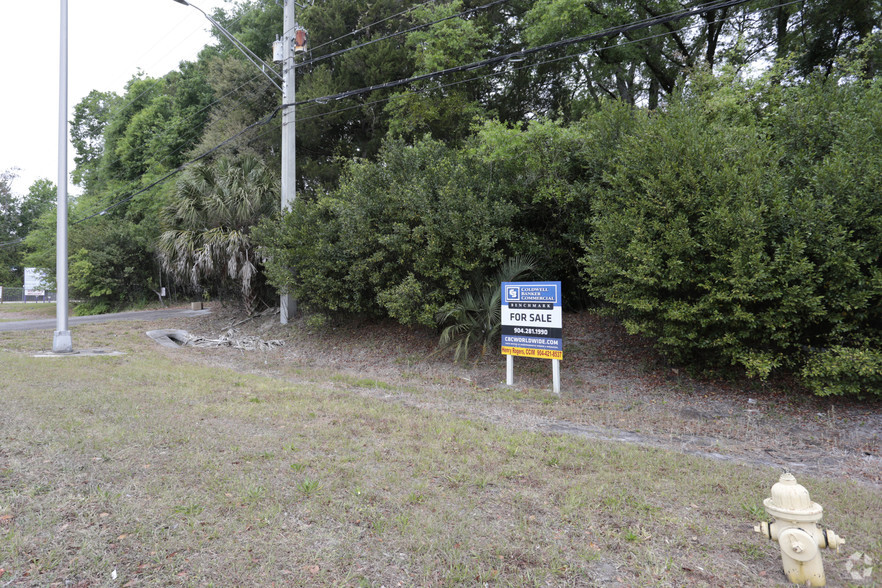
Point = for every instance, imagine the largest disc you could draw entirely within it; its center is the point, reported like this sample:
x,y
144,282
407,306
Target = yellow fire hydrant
x,y
796,530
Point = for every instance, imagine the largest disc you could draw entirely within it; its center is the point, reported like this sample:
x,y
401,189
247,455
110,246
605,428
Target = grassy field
x,y
20,311
159,467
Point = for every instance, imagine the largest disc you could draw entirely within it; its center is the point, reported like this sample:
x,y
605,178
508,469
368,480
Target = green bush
x,y
400,237
111,266
743,227
549,172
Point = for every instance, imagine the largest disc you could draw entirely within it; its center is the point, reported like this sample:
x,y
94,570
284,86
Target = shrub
x,y
399,238
475,320
745,231
549,172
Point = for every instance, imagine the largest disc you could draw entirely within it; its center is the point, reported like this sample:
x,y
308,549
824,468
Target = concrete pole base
x,y
62,342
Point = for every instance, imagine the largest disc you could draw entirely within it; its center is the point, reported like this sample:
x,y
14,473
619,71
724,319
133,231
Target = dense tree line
x,y
18,217
713,179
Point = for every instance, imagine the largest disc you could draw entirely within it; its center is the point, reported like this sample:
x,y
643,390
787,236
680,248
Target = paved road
x,y
139,315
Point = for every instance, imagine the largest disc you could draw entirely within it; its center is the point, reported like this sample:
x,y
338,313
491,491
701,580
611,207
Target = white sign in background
x,y
34,279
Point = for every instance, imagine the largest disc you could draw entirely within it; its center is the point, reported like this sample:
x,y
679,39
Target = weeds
x,y
309,487
203,487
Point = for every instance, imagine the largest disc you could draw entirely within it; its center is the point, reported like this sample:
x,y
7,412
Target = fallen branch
x,y
232,339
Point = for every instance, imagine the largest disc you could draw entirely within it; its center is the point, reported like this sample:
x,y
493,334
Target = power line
x,y
527,66
662,19
373,24
399,33
622,29
594,36
154,85
183,166
233,40
249,54
185,142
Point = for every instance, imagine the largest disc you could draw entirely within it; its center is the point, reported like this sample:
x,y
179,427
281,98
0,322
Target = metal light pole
x,y
62,342
287,303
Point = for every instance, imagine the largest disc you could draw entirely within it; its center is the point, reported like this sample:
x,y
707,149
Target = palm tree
x,y
209,224
475,320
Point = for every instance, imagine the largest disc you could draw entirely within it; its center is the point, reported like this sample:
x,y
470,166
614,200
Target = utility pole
x,y
283,51
287,304
62,342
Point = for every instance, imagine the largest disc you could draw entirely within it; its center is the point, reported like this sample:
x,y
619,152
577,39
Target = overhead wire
x,y
265,121
129,197
678,15
196,128
238,44
156,84
183,166
249,54
117,111
153,84
614,31
399,33
373,24
528,65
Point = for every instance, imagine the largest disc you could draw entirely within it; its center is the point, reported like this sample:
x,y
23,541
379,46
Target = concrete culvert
x,y
170,337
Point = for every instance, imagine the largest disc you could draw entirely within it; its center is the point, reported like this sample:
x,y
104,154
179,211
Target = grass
x,y
21,311
158,470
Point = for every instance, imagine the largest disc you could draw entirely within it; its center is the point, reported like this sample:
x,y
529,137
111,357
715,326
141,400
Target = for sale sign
x,y
532,320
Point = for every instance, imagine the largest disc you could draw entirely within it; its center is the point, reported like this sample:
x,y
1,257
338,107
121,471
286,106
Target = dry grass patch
x,y
154,469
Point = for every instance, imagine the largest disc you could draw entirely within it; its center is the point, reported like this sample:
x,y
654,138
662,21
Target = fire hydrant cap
x,y
790,499
798,544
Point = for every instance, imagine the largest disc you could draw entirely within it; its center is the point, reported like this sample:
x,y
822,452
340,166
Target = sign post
x,y
532,325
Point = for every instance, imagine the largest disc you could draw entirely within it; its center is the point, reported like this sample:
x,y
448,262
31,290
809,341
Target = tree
x,y
207,241
9,230
91,116
447,108
637,66
18,217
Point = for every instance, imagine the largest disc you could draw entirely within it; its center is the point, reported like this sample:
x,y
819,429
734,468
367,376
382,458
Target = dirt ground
x,y
613,387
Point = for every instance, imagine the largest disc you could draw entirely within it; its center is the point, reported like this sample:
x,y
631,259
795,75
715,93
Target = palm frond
x,y
476,319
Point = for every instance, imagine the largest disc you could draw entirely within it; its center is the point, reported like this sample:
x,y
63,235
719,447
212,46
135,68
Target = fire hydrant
x,y
796,530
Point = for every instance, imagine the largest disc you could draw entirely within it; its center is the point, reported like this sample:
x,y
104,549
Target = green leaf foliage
x,y
115,275
400,238
742,226
475,320
549,171
207,239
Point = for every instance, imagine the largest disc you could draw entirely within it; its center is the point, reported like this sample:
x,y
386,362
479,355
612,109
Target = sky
x,y
108,41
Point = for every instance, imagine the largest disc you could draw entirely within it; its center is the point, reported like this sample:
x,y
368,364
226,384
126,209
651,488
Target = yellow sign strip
x,y
540,353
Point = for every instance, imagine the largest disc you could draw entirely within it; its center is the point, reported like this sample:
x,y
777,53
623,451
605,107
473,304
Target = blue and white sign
x,y
532,319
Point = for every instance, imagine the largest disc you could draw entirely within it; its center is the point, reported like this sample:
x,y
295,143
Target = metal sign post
x,y
532,325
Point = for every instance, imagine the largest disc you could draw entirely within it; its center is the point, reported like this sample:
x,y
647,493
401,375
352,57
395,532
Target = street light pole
x,y
62,342
287,303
